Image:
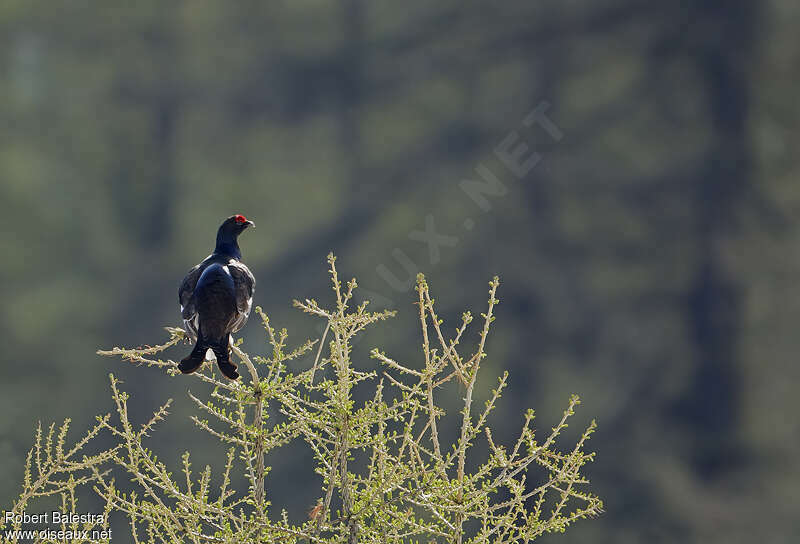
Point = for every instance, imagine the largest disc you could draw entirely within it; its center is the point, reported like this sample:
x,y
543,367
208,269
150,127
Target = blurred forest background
x,y
649,259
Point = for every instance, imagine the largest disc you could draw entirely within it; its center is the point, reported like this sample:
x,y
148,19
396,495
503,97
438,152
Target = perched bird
x,y
216,297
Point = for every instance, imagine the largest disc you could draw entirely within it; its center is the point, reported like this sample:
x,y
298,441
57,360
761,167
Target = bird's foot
x,y
228,369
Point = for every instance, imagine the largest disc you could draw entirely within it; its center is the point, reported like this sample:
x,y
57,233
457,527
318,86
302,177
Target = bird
x,y
216,297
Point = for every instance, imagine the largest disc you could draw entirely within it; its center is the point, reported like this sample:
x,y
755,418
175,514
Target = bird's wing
x,y
244,284
186,299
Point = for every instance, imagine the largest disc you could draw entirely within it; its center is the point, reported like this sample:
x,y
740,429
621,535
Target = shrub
x,y
387,474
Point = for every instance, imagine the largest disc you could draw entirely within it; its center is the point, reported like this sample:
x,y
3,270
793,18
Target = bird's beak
x,y
250,224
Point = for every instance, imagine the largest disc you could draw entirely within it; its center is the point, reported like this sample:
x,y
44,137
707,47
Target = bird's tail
x,y
221,351
196,357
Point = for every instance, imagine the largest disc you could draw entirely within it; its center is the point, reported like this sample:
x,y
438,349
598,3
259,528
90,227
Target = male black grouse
x,y
216,297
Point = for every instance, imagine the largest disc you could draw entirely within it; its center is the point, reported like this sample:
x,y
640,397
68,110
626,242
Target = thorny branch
x,y
413,485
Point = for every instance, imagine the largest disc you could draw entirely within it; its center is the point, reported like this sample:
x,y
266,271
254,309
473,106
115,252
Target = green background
x,y
649,260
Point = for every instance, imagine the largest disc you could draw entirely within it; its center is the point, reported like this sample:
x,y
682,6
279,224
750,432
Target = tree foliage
x,y
386,471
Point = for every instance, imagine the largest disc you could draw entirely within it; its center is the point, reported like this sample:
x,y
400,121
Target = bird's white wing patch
x,y
192,326
245,286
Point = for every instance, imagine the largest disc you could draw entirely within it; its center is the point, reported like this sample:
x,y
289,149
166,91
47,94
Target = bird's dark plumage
x,y
216,297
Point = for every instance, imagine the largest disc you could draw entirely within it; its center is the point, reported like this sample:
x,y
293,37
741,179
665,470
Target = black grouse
x,y
216,297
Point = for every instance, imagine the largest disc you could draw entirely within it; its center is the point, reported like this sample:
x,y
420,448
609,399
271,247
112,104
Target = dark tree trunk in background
x,y
145,182
351,91
160,227
721,42
147,192
165,103
537,191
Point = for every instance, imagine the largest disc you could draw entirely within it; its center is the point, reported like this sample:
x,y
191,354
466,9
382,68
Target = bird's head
x,y
235,225
229,232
